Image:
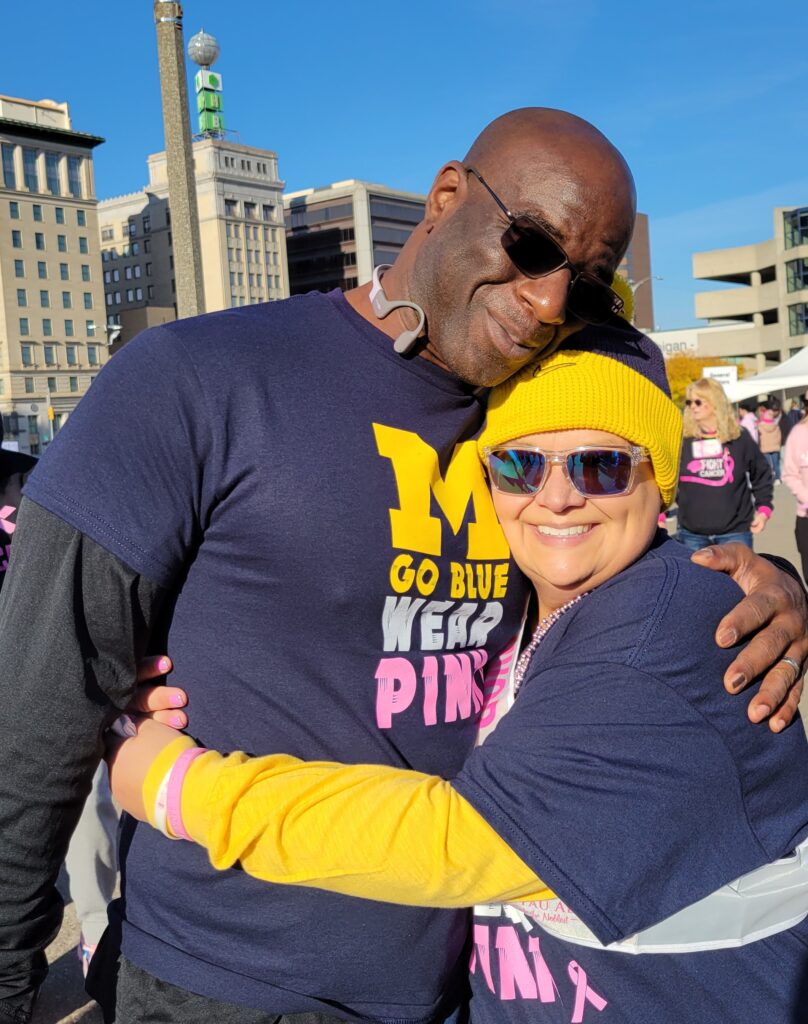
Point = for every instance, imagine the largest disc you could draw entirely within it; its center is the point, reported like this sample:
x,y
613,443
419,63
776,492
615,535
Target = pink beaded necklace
x,y
539,633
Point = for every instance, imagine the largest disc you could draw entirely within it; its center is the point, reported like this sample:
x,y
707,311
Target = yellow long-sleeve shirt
x,y
373,831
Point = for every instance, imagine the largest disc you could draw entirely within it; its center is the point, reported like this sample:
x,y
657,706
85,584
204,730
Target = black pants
x,y
801,533
129,995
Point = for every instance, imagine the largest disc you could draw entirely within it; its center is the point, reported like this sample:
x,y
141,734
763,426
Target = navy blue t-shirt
x,y
317,507
633,786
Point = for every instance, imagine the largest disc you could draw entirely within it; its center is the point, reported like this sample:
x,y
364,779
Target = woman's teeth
x,y
567,531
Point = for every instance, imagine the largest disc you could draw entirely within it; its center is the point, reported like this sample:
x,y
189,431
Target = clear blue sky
x,y
706,99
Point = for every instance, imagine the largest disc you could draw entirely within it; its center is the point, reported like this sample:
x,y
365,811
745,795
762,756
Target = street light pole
x,y
636,285
179,160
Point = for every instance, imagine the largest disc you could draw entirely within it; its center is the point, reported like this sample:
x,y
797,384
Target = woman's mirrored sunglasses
x,y
594,472
536,253
694,401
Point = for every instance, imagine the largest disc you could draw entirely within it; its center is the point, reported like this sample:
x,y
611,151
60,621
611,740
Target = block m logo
x,y
418,479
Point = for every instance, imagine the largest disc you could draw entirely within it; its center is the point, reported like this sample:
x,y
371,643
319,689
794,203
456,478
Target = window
x,y
42,269
14,210
107,234
107,277
135,248
796,275
61,243
132,227
24,331
44,299
47,327
92,355
150,291
37,212
58,420
250,211
117,298
109,298
74,383
798,318
230,208
9,174
39,240
83,247
74,176
70,354
50,355
67,300
22,297
33,426
29,385
64,272
795,224
136,270
146,223
138,294
147,245
89,327
128,274
116,274
268,211
25,352
130,295
51,383
69,332
52,173
81,218
88,300
29,173
19,268
60,214
16,239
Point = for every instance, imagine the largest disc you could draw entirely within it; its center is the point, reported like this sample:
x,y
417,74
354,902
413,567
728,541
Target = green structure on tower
x,y
203,49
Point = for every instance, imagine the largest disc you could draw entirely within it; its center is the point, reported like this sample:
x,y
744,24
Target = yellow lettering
x,y
418,478
401,575
458,587
500,579
427,577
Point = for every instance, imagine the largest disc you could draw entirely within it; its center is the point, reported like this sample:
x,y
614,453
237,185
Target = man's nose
x,y
546,296
558,494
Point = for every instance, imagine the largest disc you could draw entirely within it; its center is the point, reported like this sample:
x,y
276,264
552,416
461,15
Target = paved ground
x,y
62,1000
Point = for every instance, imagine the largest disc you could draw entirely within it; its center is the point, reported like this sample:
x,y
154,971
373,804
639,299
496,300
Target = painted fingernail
x,y
164,664
728,637
737,680
177,722
177,700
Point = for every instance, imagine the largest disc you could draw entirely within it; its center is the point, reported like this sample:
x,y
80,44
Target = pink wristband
x,y
764,511
174,793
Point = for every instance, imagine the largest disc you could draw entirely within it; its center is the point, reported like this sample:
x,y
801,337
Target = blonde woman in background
x,y
726,486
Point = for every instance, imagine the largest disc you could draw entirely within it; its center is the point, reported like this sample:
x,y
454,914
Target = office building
x,y
52,339
769,305
243,246
336,235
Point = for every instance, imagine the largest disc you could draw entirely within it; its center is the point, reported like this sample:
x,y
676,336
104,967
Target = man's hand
x,y
775,615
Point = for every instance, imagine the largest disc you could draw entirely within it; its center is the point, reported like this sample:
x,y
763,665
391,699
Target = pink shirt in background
x,y
795,466
749,423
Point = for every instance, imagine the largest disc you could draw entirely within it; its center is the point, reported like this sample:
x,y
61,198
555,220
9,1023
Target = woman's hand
x,y
129,761
759,523
774,615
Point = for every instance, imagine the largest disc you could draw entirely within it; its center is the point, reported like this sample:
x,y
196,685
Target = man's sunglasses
x,y
694,401
535,253
593,472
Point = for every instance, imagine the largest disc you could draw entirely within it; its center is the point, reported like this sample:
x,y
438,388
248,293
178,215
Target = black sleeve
x,y
761,478
74,621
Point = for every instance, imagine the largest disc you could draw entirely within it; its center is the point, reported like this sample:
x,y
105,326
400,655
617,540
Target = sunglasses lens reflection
x,y
600,472
516,471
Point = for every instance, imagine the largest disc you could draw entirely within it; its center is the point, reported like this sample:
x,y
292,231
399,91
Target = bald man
x,y
300,519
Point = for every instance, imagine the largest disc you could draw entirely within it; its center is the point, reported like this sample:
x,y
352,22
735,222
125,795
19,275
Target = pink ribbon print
x,y
698,466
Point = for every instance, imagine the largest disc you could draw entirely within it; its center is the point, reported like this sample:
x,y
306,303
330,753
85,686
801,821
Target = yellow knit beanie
x,y
608,378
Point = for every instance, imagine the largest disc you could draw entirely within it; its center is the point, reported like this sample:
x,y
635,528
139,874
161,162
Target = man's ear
x,y
448,189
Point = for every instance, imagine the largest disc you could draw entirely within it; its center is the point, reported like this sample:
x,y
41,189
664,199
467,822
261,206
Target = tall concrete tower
x,y
181,181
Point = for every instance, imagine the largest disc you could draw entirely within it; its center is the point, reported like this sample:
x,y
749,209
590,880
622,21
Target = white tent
x,y
793,373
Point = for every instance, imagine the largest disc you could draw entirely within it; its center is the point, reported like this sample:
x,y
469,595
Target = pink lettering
x,y
544,979
392,699
458,686
482,944
514,970
5,522
583,993
430,674
496,679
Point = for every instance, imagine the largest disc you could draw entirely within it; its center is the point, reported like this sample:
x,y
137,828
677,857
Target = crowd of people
x,y
402,549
